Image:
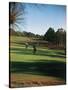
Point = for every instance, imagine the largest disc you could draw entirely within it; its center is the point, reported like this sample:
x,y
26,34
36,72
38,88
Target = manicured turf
x,y
20,53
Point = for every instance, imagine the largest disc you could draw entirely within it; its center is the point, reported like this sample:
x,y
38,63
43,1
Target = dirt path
x,y
28,80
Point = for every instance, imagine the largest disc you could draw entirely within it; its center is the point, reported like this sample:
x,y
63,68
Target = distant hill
x,y
24,33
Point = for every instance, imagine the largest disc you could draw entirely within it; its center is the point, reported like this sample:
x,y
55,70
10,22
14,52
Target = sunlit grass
x,y
32,58
18,52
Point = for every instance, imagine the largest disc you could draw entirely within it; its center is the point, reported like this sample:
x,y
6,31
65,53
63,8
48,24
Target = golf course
x,y
37,44
45,67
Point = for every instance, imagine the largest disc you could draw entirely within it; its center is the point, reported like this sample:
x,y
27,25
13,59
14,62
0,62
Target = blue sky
x,y
40,17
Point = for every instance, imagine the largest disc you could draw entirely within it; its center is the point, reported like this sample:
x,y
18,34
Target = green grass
x,y
32,58
20,53
47,62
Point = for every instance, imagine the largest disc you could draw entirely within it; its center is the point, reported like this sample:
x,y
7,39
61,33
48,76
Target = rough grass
x,y
28,80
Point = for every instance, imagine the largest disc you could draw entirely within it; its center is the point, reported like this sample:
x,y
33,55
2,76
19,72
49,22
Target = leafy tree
x,y
50,35
60,37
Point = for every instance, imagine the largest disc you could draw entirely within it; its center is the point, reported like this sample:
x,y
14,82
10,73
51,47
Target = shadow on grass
x,y
24,51
49,68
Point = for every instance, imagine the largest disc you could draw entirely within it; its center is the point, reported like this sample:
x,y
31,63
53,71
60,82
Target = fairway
x,y
47,63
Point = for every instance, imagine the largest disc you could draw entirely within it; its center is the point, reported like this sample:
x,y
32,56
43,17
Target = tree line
x,y
57,38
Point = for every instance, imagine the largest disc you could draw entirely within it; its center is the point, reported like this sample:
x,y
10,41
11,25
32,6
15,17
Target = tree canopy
x,y
50,35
